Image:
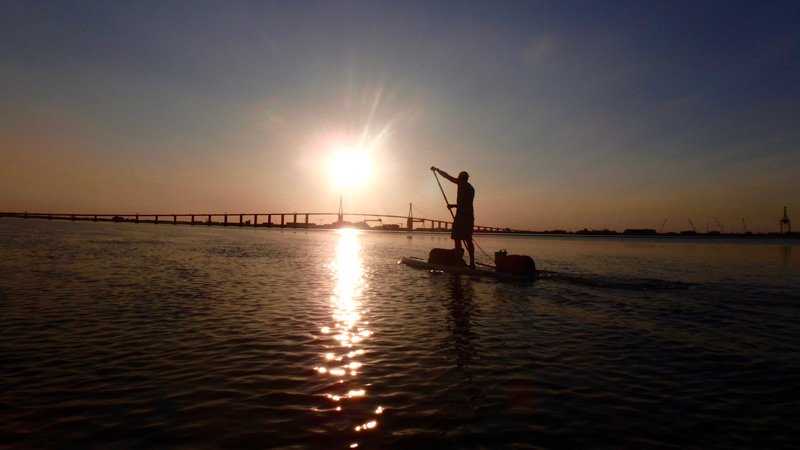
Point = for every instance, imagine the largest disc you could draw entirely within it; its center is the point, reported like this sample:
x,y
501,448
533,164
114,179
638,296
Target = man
x,y
464,220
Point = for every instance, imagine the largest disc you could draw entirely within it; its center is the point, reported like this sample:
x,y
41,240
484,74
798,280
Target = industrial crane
x,y
662,226
721,229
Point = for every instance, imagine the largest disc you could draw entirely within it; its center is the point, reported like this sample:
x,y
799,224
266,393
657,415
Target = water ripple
x,y
117,335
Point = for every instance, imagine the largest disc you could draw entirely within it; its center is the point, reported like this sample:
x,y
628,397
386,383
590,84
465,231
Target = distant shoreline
x,y
628,233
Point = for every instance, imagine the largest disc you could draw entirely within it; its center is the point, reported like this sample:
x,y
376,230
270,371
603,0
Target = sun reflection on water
x,y
342,360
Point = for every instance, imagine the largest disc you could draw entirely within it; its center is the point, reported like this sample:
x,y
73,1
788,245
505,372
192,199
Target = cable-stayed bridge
x,y
316,220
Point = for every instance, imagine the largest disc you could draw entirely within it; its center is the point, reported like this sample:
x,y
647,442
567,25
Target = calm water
x,y
137,336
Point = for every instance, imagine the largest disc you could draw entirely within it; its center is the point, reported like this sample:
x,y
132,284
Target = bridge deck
x,y
269,220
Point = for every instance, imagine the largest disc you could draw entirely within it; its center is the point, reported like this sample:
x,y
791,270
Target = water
x,y
138,336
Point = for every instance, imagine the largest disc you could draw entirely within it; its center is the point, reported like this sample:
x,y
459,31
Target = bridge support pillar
x,y
255,220
282,222
209,220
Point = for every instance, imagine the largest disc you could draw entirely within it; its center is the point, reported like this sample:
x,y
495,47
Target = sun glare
x,y
350,168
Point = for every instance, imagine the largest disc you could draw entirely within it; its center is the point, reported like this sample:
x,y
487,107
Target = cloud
x,y
539,49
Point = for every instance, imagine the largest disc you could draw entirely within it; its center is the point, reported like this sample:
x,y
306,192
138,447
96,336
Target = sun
x,y
350,168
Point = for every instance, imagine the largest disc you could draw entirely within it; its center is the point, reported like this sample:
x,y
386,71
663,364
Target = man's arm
x,y
445,174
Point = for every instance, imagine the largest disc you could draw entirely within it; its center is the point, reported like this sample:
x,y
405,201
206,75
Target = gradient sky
x,y
566,114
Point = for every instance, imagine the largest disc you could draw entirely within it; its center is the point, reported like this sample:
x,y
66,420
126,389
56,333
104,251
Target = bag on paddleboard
x,y
519,264
447,257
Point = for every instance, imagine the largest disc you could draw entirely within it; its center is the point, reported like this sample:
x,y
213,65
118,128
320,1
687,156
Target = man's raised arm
x,y
444,174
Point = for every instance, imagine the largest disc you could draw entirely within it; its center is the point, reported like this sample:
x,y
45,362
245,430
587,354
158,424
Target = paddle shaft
x,y
447,203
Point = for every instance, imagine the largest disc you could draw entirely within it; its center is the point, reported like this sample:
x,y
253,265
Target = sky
x,y
566,114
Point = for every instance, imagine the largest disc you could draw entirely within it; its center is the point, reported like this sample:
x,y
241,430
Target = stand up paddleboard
x,y
419,263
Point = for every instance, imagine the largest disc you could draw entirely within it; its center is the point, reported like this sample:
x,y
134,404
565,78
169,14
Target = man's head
x,y
463,176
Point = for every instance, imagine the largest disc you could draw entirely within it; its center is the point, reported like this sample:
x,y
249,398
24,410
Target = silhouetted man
x,y
464,221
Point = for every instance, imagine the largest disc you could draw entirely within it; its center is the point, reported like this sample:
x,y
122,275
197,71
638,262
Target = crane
x,y
662,226
785,222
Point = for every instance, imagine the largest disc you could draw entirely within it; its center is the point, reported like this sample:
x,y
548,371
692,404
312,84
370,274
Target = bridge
x,y
304,220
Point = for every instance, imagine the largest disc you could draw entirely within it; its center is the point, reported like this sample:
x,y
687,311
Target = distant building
x,y
640,232
300,225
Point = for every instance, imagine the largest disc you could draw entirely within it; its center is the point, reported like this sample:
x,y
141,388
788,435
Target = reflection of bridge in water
x,y
304,220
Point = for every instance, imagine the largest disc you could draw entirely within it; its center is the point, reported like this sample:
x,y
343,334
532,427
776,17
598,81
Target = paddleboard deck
x,y
419,263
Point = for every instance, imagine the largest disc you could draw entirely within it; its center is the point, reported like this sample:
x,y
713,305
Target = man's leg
x,y
471,251
458,249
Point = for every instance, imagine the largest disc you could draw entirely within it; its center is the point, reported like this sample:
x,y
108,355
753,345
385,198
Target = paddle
x,y
443,194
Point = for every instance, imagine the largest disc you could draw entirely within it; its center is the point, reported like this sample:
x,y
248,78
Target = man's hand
x,y
434,168
449,206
